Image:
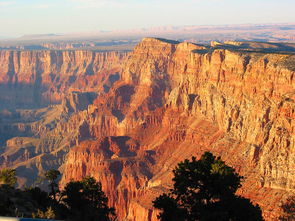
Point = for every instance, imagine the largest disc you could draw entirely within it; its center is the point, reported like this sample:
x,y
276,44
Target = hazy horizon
x,y
72,16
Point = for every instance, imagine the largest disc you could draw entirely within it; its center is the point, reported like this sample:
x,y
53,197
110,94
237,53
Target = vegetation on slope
x,y
205,190
79,200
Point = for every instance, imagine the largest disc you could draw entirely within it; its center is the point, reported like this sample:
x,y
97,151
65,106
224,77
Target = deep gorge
x,y
128,118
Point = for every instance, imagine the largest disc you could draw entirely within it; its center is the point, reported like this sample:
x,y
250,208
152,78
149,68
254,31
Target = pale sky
x,y
19,17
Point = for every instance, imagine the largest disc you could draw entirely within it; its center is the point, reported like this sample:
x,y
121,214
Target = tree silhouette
x,y
51,176
80,200
205,190
6,205
86,201
8,177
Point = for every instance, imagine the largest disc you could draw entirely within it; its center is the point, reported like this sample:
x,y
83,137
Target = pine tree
x,y
205,190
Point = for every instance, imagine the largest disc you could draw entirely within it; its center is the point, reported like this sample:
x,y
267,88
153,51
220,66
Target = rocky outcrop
x,y
34,78
172,101
180,99
61,83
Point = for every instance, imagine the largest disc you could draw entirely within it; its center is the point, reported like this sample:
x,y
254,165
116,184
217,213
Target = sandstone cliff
x,y
40,91
34,78
178,99
175,100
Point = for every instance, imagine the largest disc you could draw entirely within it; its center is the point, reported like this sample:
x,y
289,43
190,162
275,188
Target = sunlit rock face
x,y
44,99
34,78
163,102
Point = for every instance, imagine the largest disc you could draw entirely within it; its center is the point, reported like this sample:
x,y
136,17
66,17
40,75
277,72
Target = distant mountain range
x,y
125,40
249,31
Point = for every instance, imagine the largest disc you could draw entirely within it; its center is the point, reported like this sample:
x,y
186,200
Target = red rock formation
x,y
30,79
177,100
173,101
42,77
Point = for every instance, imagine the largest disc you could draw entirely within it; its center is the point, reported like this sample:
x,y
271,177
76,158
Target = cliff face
x,y
177,100
40,92
34,78
172,101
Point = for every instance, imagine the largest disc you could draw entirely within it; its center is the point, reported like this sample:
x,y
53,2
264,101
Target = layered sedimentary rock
x,y
40,91
171,101
34,78
179,99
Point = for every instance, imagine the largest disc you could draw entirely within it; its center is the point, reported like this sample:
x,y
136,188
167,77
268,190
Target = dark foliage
x,y
85,200
6,205
80,200
288,209
205,190
16,202
51,176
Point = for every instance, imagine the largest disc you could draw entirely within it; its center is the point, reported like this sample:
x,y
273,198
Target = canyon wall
x,y
40,91
170,101
39,78
176,100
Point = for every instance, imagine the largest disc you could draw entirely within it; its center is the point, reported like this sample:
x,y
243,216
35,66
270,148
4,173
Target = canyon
x,y
128,118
